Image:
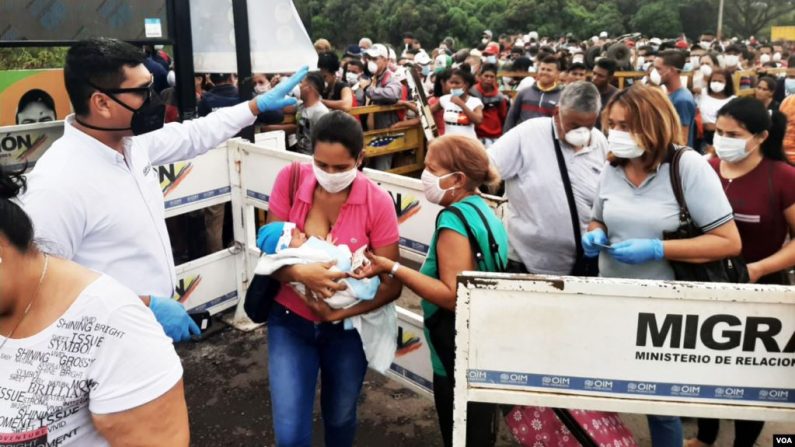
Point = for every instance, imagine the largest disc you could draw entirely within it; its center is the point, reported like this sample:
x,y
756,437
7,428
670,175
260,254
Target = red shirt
x,y
438,116
367,218
495,110
759,199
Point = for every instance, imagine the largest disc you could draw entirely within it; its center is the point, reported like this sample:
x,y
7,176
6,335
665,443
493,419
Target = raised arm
x,y
183,141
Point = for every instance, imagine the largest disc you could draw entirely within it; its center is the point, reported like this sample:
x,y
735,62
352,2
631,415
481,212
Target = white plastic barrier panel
x,y
198,183
24,144
653,347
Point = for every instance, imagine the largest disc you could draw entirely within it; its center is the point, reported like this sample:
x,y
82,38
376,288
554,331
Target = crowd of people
x,y
84,249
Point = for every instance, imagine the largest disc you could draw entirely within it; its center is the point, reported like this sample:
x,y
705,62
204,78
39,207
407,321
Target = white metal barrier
x,y
668,348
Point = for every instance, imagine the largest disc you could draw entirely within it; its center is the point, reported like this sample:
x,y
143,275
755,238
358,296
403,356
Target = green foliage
x,y
344,21
658,19
32,58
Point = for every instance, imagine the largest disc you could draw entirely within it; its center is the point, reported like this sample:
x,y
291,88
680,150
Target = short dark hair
x,y
608,64
35,95
99,61
317,81
339,127
673,58
489,67
521,64
440,79
752,115
220,78
577,66
328,62
550,59
735,49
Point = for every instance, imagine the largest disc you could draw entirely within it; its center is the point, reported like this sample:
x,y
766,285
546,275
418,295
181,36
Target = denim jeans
x,y
297,349
666,431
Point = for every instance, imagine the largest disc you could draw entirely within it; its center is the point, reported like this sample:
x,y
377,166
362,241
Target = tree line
x,y
344,21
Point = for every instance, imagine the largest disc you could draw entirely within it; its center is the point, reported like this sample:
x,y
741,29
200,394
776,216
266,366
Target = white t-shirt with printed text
x,y
455,120
105,354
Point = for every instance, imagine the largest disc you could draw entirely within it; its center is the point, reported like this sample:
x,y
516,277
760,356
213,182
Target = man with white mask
x,y
546,202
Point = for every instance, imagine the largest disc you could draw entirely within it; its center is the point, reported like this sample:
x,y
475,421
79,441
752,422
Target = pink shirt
x,y
368,217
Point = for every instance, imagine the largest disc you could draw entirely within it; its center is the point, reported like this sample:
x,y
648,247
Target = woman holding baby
x,y
332,198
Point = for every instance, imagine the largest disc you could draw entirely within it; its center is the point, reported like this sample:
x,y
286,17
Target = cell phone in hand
x,y
202,319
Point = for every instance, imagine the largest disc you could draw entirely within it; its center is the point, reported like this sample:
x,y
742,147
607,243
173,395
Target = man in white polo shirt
x,y
95,197
541,231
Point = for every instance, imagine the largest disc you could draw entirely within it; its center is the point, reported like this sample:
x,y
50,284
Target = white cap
x,y
594,39
377,50
422,58
532,35
655,41
603,34
518,43
392,55
171,78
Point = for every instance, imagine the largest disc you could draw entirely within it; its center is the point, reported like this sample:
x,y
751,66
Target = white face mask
x,y
694,61
776,57
578,137
731,60
622,145
706,70
351,78
261,88
491,59
705,44
430,185
334,183
765,58
731,150
655,77
717,87
372,67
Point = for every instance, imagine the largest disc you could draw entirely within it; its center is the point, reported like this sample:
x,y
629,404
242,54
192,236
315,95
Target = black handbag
x,y
263,289
730,270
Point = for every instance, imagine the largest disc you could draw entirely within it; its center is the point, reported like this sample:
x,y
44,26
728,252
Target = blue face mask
x,y
457,92
426,70
688,67
789,86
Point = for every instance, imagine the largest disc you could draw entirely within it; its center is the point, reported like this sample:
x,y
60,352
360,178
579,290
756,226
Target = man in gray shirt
x,y
540,226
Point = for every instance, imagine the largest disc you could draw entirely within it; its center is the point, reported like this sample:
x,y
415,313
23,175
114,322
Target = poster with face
x,y
32,96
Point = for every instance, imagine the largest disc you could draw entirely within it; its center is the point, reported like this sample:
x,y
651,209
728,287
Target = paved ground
x,y
227,393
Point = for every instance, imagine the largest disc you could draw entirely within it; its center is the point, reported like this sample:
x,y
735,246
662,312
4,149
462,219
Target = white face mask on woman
x,y
430,185
717,87
731,150
622,145
334,183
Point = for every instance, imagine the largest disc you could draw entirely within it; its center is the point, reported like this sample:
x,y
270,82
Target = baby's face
x,y
298,238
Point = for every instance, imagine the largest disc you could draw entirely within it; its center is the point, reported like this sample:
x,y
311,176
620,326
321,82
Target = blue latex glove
x,y
638,251
589,241
179,326
275,99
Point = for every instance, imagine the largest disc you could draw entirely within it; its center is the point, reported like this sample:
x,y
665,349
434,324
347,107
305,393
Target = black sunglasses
x,y
145,91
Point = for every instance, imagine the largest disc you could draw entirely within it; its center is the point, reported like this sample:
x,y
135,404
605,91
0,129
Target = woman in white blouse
x,y
719,91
